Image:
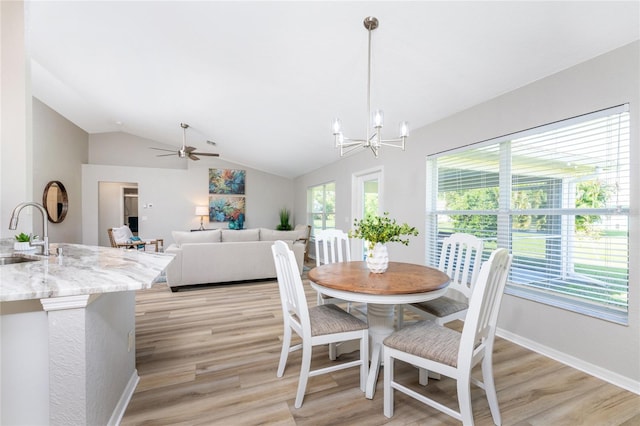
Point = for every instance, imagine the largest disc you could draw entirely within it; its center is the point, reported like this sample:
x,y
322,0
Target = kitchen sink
x,y
10,260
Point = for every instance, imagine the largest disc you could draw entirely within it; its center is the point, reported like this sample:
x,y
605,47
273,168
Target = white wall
x,y
605,349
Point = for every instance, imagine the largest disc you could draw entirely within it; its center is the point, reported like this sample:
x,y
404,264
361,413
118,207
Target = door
x,y
367,200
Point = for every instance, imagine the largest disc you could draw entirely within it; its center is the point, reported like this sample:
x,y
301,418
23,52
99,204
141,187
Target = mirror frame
x,y
65,200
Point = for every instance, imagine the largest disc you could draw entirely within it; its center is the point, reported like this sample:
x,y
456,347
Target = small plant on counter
x,y
22,238
284,220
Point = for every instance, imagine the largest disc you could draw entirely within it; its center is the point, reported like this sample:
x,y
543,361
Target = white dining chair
x,y
332,245
318,325
451,353
460,259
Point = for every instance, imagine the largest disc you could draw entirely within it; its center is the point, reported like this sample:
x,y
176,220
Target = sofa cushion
x,y
240,235
273,235
183,237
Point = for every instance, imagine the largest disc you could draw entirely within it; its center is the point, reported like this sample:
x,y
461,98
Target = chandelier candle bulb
x,y
404,129
378,119
336,125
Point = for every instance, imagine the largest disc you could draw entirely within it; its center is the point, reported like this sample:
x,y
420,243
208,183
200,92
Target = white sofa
x,y
226,255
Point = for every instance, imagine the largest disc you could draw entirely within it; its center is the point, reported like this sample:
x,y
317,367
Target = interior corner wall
x,y
607,80
59,150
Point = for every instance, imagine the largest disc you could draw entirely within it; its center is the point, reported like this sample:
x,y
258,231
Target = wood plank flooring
x,y
209,356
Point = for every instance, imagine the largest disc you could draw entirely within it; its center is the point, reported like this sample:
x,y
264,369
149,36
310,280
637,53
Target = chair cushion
x,y
329,319
429,340
442,306
183,237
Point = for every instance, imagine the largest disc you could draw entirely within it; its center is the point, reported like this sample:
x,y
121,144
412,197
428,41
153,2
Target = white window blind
x,y
557,197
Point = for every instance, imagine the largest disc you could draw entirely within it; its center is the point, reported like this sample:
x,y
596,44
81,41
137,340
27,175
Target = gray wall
x,y
59,149
604,349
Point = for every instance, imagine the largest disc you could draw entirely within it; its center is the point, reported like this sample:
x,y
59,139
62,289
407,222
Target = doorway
x,y
367,200
117,206
130,207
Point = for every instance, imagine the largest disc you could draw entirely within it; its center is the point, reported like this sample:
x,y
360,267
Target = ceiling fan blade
x,y
208,154
162,149
193,157
166,155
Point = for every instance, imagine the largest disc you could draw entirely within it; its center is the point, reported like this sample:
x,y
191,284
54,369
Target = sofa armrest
x,y
174,268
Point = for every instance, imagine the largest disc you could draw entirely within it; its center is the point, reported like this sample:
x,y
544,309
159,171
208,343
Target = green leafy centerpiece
x,y
377,231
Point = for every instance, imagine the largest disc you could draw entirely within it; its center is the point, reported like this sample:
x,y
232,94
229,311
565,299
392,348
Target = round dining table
x,y
401,283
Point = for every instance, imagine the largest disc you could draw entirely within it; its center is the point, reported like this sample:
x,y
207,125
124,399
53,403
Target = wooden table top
x,y
399,278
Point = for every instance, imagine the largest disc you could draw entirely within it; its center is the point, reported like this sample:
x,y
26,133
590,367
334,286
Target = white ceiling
x,y
265,79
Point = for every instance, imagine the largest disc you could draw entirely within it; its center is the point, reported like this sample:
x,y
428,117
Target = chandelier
x,y
375,119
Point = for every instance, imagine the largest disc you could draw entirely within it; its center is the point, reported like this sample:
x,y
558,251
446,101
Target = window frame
x,y
505,212
311,212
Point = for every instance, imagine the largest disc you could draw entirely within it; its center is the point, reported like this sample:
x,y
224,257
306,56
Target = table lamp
x,y
202,211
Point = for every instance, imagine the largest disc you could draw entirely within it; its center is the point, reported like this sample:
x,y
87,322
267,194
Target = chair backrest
x,y
335,246
121,235
480,324
461,259
306,238
112,240
294,302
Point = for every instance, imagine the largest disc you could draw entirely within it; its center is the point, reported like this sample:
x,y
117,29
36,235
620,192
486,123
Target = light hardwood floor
x,y
209,356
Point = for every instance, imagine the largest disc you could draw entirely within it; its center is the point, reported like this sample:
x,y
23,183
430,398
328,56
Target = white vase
x,y
378,258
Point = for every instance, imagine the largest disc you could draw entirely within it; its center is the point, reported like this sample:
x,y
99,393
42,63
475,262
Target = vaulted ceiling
x,y
264,79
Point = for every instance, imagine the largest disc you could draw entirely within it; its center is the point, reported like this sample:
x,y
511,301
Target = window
x,y
557,197
321,206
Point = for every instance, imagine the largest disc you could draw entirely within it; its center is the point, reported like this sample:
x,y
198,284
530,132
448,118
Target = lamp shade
x,y
202,211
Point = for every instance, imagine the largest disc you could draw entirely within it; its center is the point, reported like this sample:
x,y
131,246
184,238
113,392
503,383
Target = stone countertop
x,y
80,270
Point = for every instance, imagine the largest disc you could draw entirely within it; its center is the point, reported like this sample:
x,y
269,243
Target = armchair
x,y
122,237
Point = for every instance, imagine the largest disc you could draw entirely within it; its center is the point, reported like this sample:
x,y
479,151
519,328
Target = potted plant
x,y
377,231
284,220
22,242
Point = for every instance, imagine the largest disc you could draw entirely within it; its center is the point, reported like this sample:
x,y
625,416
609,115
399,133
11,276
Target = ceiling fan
x,y
185,151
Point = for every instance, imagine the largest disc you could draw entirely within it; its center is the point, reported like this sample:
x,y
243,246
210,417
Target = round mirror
x,y
55,201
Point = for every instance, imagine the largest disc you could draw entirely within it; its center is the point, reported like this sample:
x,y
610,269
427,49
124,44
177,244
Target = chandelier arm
x,y
347,144
395,143
349,141
344,150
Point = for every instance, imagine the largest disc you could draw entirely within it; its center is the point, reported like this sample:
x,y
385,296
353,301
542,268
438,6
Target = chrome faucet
x,y
13,224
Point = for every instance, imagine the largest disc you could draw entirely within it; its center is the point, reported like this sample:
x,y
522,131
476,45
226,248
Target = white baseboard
x,y
577,363
123,402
